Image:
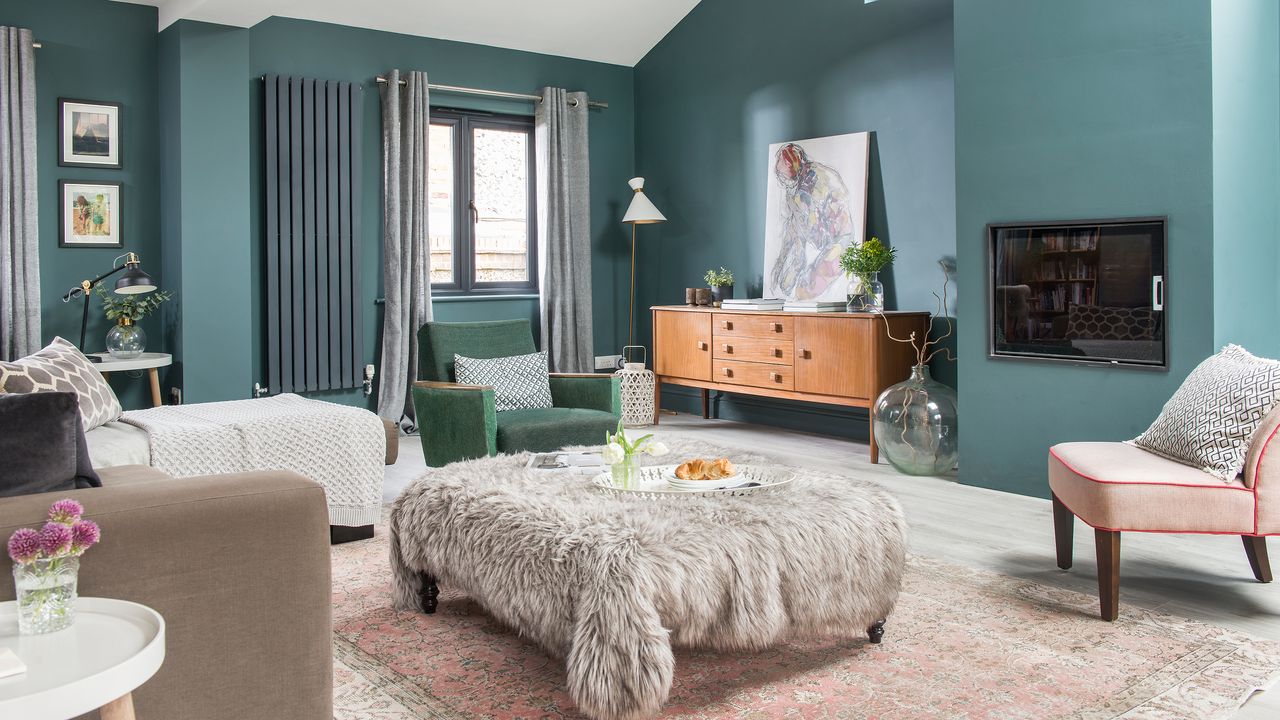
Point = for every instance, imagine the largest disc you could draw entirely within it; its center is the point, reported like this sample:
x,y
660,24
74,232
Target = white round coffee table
x,y
113,648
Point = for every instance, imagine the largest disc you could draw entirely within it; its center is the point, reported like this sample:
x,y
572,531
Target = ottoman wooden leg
x,y
876,632
1256,549
1064,526
1108,546
429,594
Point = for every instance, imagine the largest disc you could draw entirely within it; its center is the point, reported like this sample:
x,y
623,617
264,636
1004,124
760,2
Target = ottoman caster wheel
x,y
427,597
876,632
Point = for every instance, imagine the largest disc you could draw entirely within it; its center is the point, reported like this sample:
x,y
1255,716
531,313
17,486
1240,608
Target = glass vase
x,y
46,594
915,425
868,295
126,340
626,474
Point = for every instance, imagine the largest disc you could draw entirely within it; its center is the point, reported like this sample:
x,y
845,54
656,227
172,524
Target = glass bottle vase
x,y
626,474
868,295
126,340
46,594
915,425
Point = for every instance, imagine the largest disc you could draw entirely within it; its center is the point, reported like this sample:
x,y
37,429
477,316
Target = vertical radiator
x,y
314,337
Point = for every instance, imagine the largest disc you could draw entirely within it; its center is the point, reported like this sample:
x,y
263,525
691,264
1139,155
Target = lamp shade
x,y
134,281
641,211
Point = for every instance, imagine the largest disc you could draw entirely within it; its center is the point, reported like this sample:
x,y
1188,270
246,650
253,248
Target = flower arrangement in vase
x,y
864,262
126,339
721,284
916,420
622,455
45,567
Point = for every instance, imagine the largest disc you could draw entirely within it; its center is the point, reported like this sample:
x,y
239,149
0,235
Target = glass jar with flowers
x,y
863,262
46,563
126,338
622,455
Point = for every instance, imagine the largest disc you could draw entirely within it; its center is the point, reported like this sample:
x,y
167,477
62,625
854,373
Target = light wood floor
x,y
1197,576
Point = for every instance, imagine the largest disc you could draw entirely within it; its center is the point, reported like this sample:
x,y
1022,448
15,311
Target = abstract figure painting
x,y
816,206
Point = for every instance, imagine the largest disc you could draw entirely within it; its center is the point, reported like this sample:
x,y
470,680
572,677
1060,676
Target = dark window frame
x,y
464,283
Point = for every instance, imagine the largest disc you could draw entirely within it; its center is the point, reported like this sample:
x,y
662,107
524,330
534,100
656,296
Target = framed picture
x,y
88,133
90,214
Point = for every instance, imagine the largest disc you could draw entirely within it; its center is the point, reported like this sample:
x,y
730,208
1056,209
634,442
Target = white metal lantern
x,y
638,383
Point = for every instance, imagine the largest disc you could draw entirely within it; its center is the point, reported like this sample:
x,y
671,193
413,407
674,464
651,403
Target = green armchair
x,y
459,422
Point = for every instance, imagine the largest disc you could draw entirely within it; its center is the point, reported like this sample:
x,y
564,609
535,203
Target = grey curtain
x,y
19,247
564,227
406,268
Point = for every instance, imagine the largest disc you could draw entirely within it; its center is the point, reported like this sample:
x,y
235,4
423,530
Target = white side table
x,y
151,362
113,648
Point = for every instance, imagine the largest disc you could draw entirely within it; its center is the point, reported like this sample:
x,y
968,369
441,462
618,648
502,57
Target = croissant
x,y
692,470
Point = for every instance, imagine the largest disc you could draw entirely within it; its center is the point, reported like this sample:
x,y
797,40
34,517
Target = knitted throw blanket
x,y
340,447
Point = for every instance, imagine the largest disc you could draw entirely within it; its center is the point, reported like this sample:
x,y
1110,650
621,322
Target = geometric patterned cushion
x,y
62,368
519,382
1094,322
1210,420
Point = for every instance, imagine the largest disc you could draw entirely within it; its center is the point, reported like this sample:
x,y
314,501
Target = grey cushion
x,y
42,442
61,367
519,382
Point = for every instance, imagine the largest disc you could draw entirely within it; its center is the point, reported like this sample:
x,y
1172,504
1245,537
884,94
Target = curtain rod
x,y
37,45
455,90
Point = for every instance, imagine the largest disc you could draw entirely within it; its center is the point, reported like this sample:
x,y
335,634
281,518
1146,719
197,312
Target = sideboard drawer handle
x,y
777,352
727,325
728,372
728,349
702,345
804,354
777,327
777,377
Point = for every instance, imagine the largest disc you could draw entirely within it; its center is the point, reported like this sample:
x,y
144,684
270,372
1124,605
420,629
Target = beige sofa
x,y
238,565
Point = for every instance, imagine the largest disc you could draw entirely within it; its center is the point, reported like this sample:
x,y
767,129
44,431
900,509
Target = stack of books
x,y
814,306
753,304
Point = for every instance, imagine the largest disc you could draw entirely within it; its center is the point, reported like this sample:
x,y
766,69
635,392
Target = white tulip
x,y
657,449
613,454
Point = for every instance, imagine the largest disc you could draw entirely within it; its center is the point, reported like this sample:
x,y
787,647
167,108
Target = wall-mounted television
x,y
1079,291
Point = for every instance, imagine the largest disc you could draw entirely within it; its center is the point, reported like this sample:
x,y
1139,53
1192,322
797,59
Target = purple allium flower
x,y
55,539
65,512
24,545
84,535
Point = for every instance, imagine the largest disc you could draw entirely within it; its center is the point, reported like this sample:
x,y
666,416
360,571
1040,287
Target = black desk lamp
x,y
133,282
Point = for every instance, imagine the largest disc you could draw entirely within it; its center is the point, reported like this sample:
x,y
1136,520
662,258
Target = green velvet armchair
x,y
459,422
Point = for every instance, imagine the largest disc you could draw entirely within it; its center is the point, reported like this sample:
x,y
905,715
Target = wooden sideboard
x,y
833,358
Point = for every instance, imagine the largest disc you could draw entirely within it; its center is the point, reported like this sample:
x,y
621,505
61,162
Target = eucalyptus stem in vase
x,y
622,455
126,339
45,567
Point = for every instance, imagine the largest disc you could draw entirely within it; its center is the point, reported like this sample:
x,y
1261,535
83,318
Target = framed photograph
x,y
90,214
88,133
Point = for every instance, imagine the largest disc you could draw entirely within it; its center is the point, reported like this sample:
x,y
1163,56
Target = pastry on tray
x,y
700,469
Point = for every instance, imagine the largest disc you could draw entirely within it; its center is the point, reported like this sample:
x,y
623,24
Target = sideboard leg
x,y
657,402
876,632
706,404
871,436
430,592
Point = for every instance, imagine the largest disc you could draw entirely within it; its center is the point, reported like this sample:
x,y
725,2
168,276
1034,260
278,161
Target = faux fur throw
x,y
610,583
340,447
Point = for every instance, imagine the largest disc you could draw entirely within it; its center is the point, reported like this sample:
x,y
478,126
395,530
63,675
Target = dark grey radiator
x,y
314,337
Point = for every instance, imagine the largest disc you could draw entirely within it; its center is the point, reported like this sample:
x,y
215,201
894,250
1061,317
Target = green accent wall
x,y
1246,173
1087,109
333,52
95,50
737,75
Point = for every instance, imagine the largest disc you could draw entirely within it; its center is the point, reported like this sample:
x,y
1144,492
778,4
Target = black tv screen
x,y
1079,291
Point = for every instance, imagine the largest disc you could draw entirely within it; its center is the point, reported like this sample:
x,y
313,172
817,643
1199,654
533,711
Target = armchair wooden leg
x,y
1256,549
1064,527
1108,546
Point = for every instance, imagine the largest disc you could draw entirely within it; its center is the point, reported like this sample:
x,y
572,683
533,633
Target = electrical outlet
x,y
608,362
175,396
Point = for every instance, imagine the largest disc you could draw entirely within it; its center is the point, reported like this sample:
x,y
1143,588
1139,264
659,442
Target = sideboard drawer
x,y
761,375
750,349
753,326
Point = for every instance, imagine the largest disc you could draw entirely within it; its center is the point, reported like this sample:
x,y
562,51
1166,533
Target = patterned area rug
x,y
962,643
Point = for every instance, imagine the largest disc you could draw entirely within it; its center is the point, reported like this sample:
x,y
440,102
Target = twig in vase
x,y
923,355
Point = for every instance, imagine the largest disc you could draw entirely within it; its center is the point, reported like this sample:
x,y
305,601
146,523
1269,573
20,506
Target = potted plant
x,y
127,340
623,455
46,563
721,284
864,263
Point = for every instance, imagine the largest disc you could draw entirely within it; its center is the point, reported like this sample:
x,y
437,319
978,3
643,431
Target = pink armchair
x,y
1115,488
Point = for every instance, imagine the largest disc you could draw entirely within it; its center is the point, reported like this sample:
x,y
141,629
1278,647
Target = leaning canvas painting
x,y
816,206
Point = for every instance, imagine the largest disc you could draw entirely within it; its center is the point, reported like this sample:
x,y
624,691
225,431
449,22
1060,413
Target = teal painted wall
x,y
734,77
76,62
332,52
1246,173
1078,110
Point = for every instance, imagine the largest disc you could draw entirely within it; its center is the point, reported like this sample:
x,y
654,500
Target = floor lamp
x,y
641,212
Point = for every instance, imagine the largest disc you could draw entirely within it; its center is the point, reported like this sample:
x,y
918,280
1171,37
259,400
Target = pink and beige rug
x,y
961,644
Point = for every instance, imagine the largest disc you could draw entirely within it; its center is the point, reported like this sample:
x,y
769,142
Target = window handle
x,y
475,213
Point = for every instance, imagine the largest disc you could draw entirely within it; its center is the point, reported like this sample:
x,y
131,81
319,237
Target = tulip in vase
x,y
623,456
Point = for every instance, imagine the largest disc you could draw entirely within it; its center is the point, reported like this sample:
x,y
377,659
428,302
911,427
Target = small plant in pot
x,y
126,339
864,262
721,284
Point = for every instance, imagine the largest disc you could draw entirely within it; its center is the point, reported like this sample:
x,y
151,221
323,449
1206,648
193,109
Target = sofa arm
x,y
238,566
455,422
587,391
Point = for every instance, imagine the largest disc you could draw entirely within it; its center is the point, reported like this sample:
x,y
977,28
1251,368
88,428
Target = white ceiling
x,y
611,31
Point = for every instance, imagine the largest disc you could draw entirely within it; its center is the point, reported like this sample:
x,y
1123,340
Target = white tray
x,y
653,482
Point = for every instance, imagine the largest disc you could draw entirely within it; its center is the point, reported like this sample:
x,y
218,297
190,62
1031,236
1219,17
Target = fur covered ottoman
x,y
610,583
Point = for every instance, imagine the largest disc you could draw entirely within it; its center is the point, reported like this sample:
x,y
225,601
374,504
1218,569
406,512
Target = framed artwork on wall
x,y
91,214
89,134
816,206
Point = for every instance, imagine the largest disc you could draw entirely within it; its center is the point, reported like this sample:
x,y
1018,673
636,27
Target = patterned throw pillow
x,y
1210,420
1095,322
61,367
519,382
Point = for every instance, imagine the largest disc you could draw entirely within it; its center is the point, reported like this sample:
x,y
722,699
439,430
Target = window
x,y
480,183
